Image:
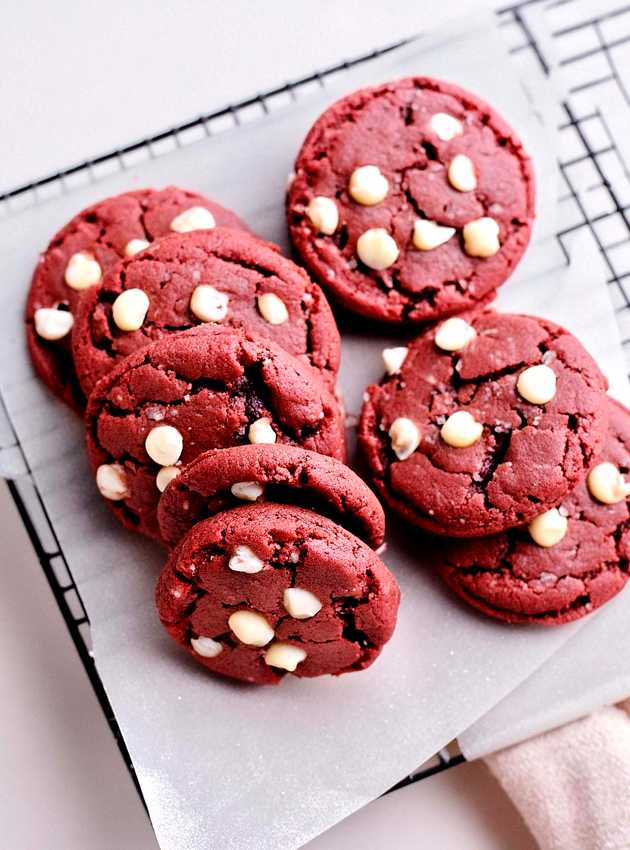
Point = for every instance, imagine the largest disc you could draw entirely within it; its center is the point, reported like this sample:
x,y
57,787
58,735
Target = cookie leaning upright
x,y
259,591
79,255
206,388
412,200
481,426
224,478
221,276
570,561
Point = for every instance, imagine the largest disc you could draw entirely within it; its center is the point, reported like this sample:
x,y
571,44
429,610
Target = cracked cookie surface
x,y
103,231
524,457
237,273
510,577
222,479
394,129
206,388
351,597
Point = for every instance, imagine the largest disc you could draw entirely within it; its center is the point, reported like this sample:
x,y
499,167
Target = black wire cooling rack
x,y
587,49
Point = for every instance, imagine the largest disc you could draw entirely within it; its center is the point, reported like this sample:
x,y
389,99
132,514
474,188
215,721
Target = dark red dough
x,y
197,591
288,474
210,383
528,458
104,230
233,262
388,126
510,578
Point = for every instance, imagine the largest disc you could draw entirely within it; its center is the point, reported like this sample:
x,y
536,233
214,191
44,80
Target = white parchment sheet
x,y
227,766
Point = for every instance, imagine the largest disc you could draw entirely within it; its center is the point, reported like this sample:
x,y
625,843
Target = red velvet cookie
x,y
221,276
205,388
224,478
411,201
570,561
484,425
82,251
262,590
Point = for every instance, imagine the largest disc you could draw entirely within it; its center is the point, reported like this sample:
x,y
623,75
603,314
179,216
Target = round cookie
x,y
205,388
579,562
224,478
221,276
486,423
262,590
97,238
411,201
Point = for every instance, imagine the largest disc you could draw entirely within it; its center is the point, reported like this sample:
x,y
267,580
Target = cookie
x,y
206,388
221,276
262,590
570,561
79,255
224,478
482,425
411,201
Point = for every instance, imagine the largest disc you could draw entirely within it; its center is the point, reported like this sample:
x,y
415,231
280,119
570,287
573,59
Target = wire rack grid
x,y
594,202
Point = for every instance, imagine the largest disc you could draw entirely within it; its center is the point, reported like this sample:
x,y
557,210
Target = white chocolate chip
x,y
243,560
454,334
377,249
251,628
129,310
461,173
606,484
82,271
405,437
164,445
393,358
481,237
445,126
537,384
323,214
208,304
368,186
272,309
549,528
285,656
111,481
461,430
165,476
301,604
134,246
428,235
195,218
248,491
261,431
206,647
52,324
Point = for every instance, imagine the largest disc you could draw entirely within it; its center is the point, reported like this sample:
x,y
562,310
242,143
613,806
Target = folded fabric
x,y
572,785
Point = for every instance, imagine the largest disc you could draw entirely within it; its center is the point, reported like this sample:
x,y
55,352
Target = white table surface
x,y
81,79
77,80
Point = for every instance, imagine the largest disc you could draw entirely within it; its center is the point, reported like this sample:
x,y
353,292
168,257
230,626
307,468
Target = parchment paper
x,y
590,672
223,766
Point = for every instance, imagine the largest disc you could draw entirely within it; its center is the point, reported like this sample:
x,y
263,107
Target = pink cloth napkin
x,y
572,785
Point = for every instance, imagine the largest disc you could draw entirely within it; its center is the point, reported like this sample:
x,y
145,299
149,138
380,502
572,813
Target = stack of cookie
x,y
496,430
206,363
414,201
